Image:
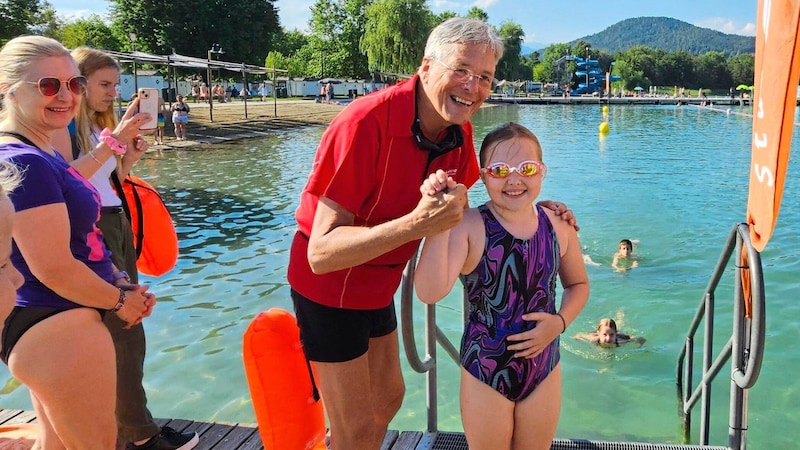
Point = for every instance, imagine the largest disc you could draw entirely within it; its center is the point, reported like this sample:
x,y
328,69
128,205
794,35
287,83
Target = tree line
x,y
349,39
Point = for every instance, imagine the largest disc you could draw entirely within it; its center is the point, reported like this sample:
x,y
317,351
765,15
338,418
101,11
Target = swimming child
x,y
509,252
624,259
607,335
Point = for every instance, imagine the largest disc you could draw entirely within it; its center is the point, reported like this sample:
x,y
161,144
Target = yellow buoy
x,y
605,108
603,128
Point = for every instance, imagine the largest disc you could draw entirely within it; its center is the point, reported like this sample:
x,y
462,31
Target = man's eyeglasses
x,y
525,168
464,75
51,86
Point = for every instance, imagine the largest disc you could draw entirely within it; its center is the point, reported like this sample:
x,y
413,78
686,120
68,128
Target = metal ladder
x,y
746,344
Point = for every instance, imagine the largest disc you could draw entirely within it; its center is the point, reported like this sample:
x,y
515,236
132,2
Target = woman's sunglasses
x,y
51,86
525,168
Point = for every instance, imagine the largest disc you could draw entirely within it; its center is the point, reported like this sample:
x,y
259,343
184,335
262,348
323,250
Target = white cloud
x,y
728,26
484,4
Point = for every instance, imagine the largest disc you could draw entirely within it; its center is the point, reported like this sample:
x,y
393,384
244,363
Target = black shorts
x,y
21,320
338,334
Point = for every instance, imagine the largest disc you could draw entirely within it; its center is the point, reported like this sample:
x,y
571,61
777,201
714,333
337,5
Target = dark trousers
x,y
134,420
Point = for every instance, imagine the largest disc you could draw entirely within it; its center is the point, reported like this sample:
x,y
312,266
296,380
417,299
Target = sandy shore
x,y
231,123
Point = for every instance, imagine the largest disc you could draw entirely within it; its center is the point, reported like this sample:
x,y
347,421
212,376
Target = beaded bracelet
x,y
121,301
563,322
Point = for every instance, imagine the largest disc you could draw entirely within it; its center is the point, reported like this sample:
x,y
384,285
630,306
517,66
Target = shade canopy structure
x,y
191,62
176,61
330,80
638,88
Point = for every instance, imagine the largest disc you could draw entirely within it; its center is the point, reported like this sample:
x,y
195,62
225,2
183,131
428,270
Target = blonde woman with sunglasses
x,y
509,252
54,340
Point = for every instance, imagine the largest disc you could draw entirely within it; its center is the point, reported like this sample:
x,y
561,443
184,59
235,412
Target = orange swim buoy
x,y
281,388
154,233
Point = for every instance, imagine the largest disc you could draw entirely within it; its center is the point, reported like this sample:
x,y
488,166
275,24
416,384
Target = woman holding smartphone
x,y
104,170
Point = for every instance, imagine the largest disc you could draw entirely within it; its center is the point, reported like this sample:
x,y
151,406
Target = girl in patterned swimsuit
x,y
509,253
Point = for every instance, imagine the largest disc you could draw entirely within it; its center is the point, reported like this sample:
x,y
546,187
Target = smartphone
x,y
148,102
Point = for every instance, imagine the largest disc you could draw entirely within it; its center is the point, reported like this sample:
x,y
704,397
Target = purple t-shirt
x,y
46,180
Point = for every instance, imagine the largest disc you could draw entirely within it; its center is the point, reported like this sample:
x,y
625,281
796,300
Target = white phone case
x,y
148,102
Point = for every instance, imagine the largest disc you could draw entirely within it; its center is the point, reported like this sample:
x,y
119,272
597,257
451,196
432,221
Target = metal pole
x,y
132,36
210,93
587,69
274,90
246,90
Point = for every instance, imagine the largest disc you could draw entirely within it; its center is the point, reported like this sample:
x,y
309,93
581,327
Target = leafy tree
x,y
47,22
549,70
510,66
712,71
439,18
477,13
289,42
17,16
191,28
677,69
742,69
92,32
337,27
395,35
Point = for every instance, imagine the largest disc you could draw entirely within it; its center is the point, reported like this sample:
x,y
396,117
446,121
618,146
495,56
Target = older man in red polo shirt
x,y
361,218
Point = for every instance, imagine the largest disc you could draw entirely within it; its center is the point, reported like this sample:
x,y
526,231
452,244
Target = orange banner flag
x,y
777,69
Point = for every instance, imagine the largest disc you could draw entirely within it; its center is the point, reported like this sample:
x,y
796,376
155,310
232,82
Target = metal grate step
x,y
457,441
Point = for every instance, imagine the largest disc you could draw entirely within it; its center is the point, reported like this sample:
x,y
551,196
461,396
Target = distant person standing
x,y
180,117
329,92
204,95
263,91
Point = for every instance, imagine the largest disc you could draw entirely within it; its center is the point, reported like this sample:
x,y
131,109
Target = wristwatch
x,y
112,142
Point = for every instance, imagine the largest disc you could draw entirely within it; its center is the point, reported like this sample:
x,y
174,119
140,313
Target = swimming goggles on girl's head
x,y
525,168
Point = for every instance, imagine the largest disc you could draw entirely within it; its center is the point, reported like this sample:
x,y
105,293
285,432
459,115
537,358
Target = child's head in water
x,y
607,331
624,258
625,248
607,335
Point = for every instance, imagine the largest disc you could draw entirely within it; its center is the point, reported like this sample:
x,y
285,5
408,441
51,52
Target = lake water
x,y
674,179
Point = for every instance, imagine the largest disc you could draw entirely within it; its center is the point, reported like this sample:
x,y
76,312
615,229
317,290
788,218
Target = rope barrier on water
x,y
710,107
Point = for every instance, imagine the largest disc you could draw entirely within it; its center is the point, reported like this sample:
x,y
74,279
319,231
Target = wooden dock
x,y
221,436
238,436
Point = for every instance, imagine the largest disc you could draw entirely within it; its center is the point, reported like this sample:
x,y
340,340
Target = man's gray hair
x,y
462,31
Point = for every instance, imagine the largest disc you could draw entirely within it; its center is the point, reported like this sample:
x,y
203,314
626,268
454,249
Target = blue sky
x,y
544,22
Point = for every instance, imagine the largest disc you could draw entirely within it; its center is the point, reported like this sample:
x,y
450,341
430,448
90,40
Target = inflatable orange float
x,y
154,233
287,407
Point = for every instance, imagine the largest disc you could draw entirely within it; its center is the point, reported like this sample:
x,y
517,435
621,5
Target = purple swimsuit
x,y
514,277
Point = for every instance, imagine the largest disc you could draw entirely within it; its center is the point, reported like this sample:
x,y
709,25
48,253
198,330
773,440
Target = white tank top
x,y
101,179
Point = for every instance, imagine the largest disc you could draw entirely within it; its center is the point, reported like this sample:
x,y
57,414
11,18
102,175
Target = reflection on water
x,y
673,178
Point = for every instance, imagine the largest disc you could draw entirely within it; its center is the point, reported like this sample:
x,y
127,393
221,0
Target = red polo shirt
x,y
368,163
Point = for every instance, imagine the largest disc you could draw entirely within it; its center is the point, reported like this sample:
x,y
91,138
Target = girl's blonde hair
x,y
89,61
16,58
607,323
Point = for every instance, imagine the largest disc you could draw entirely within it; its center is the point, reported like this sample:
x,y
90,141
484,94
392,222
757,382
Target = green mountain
x,y
669,35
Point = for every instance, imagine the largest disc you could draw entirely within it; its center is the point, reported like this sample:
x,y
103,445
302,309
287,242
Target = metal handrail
x,y
419,365
746,344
